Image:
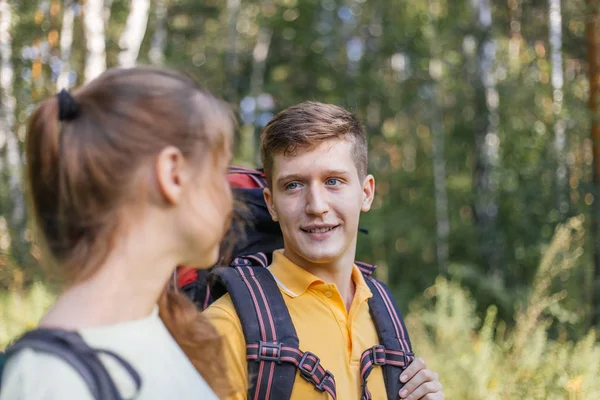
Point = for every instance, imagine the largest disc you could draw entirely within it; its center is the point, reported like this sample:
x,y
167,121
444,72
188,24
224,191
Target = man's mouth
x,y
319,229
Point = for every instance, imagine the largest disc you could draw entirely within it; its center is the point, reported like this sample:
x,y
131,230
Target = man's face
x,y
317,197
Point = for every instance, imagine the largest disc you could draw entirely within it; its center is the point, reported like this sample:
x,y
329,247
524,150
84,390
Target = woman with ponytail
x,y
126,180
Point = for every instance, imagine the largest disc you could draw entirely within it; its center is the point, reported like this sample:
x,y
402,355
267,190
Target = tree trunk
x,y
372,38
354,46
106,13
487,142
66,43
233,9
555,32
591,30
93,21
159,38
439,157
439,178
257,83
133,34
10,154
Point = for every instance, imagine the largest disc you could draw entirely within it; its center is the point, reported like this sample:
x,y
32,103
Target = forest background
x,y
484,136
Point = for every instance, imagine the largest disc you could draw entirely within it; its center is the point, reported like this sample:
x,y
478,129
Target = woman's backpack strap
x,y
70,347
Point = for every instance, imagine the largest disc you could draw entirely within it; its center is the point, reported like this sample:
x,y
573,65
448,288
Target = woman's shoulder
x,y
32,375
154,354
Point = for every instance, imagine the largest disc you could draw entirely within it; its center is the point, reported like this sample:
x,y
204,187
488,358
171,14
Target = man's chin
x,y
315,256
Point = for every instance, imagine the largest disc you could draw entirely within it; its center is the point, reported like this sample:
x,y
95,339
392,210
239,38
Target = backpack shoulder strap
x,y
366,269
271,340
394,353
70,347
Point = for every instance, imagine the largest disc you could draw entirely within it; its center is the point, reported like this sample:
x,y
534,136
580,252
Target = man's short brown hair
x,y
309,124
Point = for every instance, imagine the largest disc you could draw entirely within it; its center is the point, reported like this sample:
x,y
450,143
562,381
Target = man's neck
x,y
338,272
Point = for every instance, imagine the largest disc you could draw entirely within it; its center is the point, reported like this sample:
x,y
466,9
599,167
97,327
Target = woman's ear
x,y
368,193
170,174
269,200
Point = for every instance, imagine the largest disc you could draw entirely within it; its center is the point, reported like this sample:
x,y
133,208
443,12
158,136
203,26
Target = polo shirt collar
x,y
295,280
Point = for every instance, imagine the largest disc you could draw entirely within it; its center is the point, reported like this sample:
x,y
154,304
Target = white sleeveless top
x,y
146,344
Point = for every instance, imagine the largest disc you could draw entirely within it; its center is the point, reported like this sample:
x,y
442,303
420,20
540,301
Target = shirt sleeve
x,y
224,318
31,375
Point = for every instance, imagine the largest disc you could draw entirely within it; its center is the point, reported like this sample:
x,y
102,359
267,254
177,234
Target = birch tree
x,y
233,9
439,157
10,156
257,80
487,141
159,37
133,34
555,33
93,21
106,13
66,44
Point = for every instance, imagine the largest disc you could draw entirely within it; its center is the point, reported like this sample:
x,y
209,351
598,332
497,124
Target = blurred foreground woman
x,y
126,178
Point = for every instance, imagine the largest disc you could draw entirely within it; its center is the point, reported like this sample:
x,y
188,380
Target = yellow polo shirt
x,y
323,325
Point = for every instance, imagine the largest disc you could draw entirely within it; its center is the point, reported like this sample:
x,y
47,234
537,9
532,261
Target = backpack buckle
x,y
328,374
407,356
378,359
305,372
269,352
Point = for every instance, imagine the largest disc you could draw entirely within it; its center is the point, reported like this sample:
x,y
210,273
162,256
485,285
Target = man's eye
x,y
333,182
292,186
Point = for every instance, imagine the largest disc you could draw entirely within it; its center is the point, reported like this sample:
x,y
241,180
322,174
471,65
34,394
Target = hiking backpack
x,y
271,340
71,348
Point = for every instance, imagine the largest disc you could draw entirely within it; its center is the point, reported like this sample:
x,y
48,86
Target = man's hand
x,y
421,383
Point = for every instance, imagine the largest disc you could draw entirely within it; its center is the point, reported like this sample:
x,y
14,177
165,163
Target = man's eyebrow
x,y
289,177
294,177
336,172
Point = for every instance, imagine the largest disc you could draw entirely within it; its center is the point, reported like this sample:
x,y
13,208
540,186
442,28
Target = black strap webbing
x,y
70,347
265,319
393,337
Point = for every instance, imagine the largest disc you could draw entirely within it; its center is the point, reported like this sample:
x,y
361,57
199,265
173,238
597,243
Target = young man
x,y
315,160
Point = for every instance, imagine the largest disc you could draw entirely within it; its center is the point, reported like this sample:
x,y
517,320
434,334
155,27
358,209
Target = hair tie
x,y
68,109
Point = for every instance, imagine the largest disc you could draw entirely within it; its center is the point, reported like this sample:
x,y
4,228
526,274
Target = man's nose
x,y
316,201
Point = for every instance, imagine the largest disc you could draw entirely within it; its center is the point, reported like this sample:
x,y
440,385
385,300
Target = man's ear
x,y
269,200
170,174
368,193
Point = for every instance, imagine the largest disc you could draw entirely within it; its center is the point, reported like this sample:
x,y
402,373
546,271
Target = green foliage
x,y
22,310
479,359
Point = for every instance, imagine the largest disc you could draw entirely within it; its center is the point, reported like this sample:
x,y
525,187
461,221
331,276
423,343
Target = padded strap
x,y
265,319
307,363
70,347
379,355
366,269
272,342
393,337
257,260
